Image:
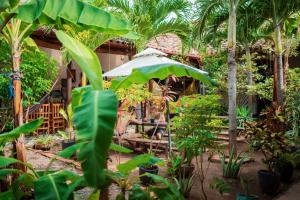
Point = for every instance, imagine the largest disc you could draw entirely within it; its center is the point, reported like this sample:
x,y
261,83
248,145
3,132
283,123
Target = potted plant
x,y
245,184
150,167
44,142
147,168
69,135
184,185
220,185
174,164
285,166
232,167
268,136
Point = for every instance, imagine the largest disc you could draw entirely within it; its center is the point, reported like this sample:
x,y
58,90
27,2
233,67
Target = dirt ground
x,y
40,162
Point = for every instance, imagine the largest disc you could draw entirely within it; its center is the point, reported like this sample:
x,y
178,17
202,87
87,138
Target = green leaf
x,y
5,161
94,195
118,148
23,129
26,179
136,193
144,74
71,11
4,4
121,196
68,152
95,120
137,161
77,94
57,185
5,172
29,42
165,193
7,194
86,59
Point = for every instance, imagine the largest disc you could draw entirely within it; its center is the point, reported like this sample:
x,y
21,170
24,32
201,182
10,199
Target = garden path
x,y
293,193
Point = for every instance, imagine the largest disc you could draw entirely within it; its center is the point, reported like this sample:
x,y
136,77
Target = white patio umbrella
x,y
148,57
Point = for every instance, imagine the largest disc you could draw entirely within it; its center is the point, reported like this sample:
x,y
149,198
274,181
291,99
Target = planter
x,y
286,170
67,143
269,182
186,171
240,196
151,170
43,147
298,166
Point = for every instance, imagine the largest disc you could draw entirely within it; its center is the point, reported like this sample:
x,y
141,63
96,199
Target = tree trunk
x,y
250,78
286,64
232,68
278,53
17,105
104,192
69,83
275,80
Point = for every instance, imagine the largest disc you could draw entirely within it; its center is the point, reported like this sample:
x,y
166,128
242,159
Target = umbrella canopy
x,y
148,57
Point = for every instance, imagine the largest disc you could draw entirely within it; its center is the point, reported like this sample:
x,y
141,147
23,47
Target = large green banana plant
x,y
58,12
95,114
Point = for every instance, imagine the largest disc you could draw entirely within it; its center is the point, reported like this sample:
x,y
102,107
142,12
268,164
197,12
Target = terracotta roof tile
x,y
171,44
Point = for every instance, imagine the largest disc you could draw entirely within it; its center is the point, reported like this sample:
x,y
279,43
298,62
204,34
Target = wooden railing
x,y
53,120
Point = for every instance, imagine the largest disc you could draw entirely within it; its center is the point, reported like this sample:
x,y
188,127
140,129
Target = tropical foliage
x,y
39,72
238,37
153,18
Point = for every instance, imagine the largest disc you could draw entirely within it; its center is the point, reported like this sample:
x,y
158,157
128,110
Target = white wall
x,y
108,62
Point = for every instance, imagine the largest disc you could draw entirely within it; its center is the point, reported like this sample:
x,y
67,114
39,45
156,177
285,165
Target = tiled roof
x,y
171,44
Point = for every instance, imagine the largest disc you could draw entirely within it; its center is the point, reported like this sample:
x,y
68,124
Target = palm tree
x,y
15,34
291,38
277,11
153,18
250,28
208,9
12,15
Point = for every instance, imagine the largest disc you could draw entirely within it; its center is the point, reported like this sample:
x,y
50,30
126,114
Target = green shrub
x,y
39,71
232,167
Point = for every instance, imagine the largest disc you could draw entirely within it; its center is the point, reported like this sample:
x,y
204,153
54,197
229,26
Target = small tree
x,y
193,137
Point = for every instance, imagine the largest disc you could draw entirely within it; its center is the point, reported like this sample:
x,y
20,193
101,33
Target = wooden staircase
x,y
223,140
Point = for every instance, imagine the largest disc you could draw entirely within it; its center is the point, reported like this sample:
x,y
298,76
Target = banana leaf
x,y
56,186
5,161
137,161
7,194
94,120
119,148
71,11
144,74
95,113
5,172
77,95
23,129
168,192
84,57
4,4
137,193
68,152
